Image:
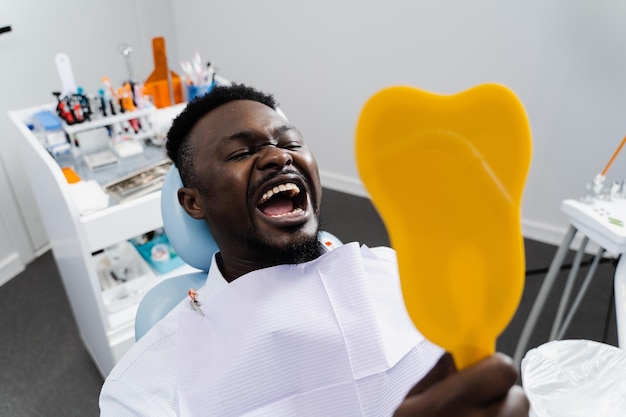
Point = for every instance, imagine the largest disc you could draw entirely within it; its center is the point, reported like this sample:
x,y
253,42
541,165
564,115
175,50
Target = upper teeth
x,y
289,187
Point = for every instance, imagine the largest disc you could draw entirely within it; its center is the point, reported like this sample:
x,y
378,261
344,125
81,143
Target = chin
x,y
296,247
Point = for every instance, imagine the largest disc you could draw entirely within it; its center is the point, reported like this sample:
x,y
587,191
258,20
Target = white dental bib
x,y
327,338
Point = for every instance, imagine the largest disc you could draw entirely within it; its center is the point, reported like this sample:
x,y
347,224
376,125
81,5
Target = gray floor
x,y
45,371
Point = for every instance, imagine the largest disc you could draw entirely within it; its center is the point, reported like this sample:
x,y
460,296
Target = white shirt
x,y
330,337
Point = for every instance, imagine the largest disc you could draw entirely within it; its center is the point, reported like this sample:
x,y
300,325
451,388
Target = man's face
x,y
257,183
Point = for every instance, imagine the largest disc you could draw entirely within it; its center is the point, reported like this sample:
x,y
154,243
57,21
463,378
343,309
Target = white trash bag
x,y
575,378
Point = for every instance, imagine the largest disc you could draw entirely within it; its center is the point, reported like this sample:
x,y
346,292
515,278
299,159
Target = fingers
x,y
487,381
485,389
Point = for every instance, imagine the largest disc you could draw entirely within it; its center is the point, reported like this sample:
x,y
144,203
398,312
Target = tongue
x,y
277,206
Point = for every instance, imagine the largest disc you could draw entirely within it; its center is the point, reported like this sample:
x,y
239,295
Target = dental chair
x,y
193,242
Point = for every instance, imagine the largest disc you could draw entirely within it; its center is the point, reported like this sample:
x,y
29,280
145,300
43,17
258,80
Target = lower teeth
x,y
296,211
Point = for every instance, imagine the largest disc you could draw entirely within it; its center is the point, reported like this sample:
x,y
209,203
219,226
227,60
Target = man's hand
x,y
486,389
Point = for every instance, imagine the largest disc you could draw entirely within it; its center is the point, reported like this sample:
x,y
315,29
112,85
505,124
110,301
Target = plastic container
x,y
194,91
124,276
49,129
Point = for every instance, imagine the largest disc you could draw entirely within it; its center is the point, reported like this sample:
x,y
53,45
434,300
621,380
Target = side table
x,y
603,222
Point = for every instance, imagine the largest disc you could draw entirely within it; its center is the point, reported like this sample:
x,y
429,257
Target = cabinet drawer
x,y
123,221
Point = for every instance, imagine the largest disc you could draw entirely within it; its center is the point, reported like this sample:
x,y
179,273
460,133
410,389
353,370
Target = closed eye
x,y
292,145
240,154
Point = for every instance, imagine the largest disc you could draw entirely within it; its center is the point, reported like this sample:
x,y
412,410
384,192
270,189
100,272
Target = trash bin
x,y
575,378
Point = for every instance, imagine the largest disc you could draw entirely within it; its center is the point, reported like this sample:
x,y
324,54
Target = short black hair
x,y
178,147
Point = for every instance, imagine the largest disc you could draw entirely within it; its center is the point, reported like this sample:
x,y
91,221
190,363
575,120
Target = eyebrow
x,y
248,135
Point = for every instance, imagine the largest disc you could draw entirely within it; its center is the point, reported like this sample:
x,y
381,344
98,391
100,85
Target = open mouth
x,y
283,200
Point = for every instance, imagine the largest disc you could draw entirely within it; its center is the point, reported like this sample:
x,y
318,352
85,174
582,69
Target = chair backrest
x,y
193,242
191,238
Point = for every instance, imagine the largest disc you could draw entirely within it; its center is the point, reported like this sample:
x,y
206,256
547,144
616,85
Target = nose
x,y
274,157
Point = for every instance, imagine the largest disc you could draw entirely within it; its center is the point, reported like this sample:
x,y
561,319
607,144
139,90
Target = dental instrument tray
x,y
139,183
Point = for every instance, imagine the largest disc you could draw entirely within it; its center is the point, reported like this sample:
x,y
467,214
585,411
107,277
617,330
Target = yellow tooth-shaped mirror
x,y
446,173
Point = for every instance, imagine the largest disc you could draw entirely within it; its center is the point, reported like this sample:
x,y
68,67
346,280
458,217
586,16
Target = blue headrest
x,y
191,238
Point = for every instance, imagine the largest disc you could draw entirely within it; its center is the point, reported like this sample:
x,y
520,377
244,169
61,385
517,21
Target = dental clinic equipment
x,y
595,187
126,50
64,67
163,84
599,217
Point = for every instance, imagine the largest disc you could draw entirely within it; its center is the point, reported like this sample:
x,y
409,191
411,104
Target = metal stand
x,y
560,325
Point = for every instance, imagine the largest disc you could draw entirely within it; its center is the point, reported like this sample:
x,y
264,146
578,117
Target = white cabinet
x,y
107,332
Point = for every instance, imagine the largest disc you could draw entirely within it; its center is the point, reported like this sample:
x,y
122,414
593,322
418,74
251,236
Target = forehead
x,y
234,117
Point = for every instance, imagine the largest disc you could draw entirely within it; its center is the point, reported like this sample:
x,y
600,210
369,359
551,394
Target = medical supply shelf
x,y
75,237
107,121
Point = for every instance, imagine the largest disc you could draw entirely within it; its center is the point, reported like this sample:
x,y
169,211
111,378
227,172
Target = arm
x,y
486,389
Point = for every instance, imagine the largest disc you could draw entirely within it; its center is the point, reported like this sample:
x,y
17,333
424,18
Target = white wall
x,y
566,59
323,59
90,34
11,263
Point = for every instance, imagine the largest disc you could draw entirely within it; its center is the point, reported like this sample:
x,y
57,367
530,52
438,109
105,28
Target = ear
x,y
189,199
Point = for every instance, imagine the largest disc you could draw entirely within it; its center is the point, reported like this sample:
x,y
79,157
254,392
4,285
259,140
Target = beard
x,y
301,248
